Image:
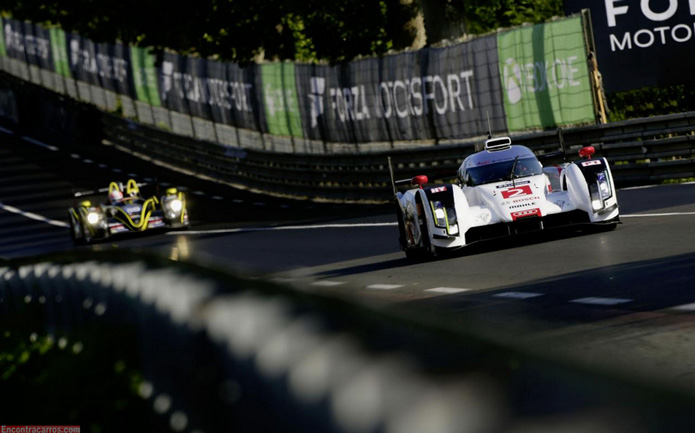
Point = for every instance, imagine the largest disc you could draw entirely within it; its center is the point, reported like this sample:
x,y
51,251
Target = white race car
x,y
501,191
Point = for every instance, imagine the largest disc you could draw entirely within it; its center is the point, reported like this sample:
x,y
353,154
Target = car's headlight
x,y
176,205
173,204
600,191
439,212
93,218
604,187
444,217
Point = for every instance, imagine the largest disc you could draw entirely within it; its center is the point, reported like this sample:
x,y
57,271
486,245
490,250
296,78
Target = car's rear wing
x,y
395,183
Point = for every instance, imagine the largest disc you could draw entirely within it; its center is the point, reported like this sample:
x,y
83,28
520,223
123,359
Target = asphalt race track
x,y
622,301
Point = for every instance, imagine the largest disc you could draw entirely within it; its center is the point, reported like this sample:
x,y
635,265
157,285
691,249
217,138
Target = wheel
x,y
402,239
86,235
429,250
75,232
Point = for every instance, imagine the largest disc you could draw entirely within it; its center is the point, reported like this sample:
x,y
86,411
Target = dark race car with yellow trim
x,y
126,212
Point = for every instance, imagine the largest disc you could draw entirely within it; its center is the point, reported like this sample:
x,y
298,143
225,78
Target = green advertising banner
x,y
280,99
545,77
3,51
60,52
145,76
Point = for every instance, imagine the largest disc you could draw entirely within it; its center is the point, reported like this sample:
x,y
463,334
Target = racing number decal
x,y
517,192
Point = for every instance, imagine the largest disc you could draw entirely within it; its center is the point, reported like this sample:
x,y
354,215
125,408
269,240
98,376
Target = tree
x,y
305,30
485,16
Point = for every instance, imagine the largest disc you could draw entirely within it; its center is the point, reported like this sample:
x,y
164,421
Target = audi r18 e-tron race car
x,y
127,211
503,190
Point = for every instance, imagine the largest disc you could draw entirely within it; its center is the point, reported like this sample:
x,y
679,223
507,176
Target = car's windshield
x,y
503,171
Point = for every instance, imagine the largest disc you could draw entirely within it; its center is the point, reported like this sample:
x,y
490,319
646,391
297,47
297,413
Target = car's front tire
x,y
75,231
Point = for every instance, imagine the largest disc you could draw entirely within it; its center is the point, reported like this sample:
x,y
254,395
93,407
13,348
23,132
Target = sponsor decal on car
x,y
517,183
526,214
438,189
131,209
520,200
591,162
517,206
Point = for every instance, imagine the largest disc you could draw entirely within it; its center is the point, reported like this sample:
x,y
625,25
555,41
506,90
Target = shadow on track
x,y
470,250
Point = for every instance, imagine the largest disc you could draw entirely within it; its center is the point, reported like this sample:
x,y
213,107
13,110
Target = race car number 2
x,y
517,191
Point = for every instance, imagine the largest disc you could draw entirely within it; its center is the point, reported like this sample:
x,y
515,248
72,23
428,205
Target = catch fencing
x,y
223,353
641,151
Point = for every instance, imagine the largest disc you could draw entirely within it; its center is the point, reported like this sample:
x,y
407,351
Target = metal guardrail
x,y
222,353
642,151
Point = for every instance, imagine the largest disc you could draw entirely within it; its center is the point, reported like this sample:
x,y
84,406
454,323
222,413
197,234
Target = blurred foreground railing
x,y
222,353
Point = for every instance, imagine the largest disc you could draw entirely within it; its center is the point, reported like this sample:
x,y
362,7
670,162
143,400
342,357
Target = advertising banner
x,y
144,76
82,59
59,49
438,93
326,103
25,46
464,84
184,85
195,86
172,82
545,75
103,65
642,43
118,63
212,90
37,44
407,98
279,95
245,105
221,102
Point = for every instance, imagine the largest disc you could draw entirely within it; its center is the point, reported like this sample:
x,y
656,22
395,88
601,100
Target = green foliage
x,y
485,16
238,30
87,378
651,101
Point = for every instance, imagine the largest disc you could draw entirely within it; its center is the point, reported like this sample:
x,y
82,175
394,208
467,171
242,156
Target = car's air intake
x,y
496,144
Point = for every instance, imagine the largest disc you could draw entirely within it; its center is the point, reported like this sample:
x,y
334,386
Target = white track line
x,y
638,215
384,286
685,307
386,224
326,283
518,295
268,229
447,290
32,215
601,301
39,143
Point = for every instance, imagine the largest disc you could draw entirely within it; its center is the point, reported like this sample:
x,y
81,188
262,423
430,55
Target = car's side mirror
x,y
419,180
